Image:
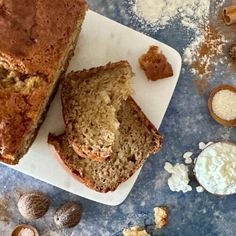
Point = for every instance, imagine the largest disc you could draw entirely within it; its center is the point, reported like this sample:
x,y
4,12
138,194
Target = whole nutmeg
x,y
33,205
68,215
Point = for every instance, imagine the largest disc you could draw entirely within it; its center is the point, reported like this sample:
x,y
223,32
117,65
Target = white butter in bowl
x,y
215,168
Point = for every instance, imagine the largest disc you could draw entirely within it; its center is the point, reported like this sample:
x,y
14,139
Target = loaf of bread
x,y
136,140
90,101
37,41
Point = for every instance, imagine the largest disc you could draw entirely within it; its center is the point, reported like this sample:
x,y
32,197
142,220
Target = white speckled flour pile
x,y
161,12
194,16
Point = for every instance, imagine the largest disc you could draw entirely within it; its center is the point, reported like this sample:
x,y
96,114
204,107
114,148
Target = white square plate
x,y
101,41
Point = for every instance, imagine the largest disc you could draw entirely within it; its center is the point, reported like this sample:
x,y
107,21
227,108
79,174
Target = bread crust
x,y
56,144
82,75
143,118
22,113
36,43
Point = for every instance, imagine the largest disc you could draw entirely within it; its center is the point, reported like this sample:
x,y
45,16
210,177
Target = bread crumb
x,y
135,231
155,64
161,217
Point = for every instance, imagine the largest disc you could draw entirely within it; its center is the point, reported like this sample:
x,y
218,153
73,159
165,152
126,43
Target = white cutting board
x,y
101,41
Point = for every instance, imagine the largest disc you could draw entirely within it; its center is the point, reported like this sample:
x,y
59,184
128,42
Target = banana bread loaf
x,y
37,41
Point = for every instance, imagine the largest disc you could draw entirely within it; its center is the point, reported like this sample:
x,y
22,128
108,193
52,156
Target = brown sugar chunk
x,y
155,64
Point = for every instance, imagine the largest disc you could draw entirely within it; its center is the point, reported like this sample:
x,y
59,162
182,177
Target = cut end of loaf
x,y
138,138
91,99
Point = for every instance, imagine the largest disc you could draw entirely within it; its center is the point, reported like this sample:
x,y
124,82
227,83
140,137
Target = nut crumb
x,y
161,217
135,231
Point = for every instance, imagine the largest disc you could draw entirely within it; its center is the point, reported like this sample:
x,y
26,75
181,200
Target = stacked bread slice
x,y
107,137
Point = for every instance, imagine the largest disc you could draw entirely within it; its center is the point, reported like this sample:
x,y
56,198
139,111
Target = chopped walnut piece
x,y
155,64
135,231
161,216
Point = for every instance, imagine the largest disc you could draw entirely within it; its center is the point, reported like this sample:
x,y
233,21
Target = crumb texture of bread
x,y
91,100
155,64
135,231
137,139
34,52
161,217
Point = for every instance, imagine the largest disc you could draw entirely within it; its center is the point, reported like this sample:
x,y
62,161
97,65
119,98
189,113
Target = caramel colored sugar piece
x,y
155,64
135,231
161,216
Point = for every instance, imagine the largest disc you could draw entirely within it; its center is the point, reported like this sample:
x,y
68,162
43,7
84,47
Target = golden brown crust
x,y
16,116
228,123
83,75
37,42
155,64
143,118
55,143
22,113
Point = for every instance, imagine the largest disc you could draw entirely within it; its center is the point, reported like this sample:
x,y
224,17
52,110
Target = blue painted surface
x,y
186,124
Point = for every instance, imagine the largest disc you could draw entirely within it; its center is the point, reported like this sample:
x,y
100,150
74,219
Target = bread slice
x,y
137,139
34,53
91,100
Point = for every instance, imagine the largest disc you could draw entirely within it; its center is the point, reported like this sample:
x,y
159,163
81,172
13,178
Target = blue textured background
x,y
186,124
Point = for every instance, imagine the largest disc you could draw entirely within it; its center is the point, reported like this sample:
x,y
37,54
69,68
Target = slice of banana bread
x,y
91,100
137,139
37,41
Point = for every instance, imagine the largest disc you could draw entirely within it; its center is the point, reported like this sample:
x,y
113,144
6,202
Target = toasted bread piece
x,y
136,140
91,100
34,53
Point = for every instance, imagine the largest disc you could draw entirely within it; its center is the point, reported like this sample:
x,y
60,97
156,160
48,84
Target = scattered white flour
x,y
6,228
187,157
200,189
215,168
179,177
161,12
224,104
194,17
